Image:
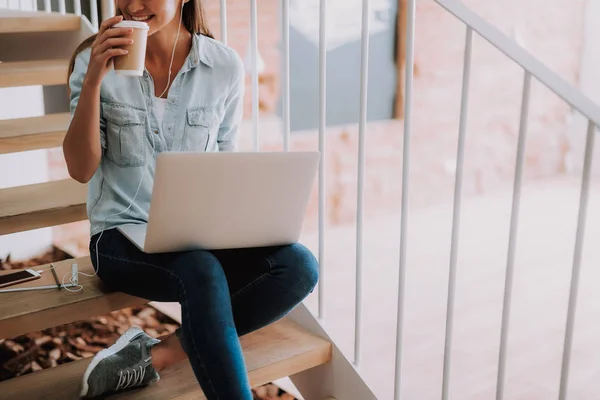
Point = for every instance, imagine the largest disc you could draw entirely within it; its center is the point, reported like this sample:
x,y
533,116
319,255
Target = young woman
x,y
188,99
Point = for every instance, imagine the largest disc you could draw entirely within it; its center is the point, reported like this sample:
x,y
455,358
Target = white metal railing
x,y
532,68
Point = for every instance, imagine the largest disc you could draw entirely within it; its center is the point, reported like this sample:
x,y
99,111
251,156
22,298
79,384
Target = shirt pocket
x,y
201,127
125,133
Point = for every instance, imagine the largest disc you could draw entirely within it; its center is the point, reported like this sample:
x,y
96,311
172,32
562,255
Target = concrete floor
x,y
542,277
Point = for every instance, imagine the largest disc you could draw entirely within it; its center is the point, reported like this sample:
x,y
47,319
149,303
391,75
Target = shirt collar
x,y
200,52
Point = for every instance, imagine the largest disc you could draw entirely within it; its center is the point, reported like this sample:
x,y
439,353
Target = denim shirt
x,y
203,113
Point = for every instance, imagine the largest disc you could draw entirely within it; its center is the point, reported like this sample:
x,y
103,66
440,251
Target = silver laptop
x,y
226,200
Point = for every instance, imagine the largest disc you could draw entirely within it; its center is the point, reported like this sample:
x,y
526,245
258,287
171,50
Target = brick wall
x,y
550,29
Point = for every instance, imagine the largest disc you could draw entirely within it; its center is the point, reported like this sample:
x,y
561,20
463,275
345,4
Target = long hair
x,y
193,19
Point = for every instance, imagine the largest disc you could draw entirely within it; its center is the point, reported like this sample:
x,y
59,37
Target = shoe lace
x,y
131,378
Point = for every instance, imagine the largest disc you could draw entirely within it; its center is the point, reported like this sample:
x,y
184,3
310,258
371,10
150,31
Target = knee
x,y
199,266
302,264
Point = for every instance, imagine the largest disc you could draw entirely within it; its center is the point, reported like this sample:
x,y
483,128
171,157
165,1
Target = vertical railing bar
x,y
62,8
47,6
362,125
322,126
512,239
223,15
285,36
77,7
107,8
254,61
94,13
34,5
408,100
581,220
460,157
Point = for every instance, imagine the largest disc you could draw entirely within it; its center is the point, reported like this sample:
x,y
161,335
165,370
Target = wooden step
x,y
25,134
13,21
276,351
27,73
31,311
40,205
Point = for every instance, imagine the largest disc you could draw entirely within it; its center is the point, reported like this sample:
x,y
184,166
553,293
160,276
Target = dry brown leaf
x,y
170,327
54,354
152,322
152,332
24,369
72,356
135,321
43,340
15,347
147,312
35,366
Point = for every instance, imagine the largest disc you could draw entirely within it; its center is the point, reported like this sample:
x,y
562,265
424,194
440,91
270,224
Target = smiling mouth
x,y
144,18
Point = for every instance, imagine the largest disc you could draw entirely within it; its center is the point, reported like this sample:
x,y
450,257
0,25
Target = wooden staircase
x,y
280,350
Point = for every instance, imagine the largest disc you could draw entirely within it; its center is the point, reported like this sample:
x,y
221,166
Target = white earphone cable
x,y
73,279
174,47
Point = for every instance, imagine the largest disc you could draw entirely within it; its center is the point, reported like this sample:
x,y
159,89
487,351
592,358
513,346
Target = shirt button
x,y
170,128
156,131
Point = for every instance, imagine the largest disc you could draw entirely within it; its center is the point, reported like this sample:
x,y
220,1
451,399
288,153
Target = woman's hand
x,y
105,47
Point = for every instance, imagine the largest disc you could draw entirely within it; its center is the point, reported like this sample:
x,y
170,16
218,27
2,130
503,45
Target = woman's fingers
x,y
115,42
107,23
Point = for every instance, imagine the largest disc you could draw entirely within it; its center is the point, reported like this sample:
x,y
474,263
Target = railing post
x,y
94,13
460,157
512,239
285,38
223,16
254,62
585,191
77,7
107,8
408,101
362,126
322,127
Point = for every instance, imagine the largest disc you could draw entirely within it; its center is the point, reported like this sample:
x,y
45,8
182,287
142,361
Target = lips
x,y
141,18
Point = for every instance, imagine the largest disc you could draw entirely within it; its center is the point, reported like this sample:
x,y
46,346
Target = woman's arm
x,y
82,145
234,110
85,139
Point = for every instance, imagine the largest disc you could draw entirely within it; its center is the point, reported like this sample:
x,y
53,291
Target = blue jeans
x,y
223,294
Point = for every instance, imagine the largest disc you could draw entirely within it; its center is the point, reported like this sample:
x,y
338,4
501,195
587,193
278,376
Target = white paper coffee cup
x,y
132,63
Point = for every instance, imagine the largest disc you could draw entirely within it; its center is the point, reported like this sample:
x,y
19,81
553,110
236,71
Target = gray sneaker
x,y
124,365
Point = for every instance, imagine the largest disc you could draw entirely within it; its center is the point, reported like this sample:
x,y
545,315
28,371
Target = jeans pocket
x,y
125,134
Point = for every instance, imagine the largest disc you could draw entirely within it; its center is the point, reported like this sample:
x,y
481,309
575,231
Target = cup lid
x,y
132,24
